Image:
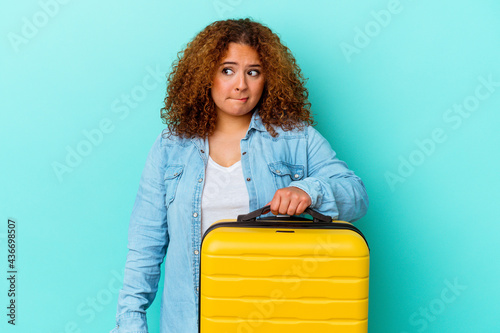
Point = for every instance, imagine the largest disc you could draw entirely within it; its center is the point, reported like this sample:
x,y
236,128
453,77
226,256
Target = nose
x,y
241,81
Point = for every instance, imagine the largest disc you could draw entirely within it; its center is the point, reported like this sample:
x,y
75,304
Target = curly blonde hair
x,y
189,109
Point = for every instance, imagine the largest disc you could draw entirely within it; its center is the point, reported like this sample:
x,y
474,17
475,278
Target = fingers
x,y
289,201
275,203
301,207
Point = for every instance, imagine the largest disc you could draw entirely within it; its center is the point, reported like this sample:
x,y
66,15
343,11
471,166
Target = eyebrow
x,y
235,63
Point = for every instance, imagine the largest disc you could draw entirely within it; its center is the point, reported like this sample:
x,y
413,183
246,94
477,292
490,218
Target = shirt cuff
x,y
312,189
131,322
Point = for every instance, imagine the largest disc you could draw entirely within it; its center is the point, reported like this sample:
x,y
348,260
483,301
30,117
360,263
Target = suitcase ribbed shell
x,y
283,279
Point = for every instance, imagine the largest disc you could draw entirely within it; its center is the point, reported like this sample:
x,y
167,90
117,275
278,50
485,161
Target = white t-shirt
x,y
225,194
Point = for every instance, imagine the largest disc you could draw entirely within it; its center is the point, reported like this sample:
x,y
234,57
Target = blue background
x,y
383,77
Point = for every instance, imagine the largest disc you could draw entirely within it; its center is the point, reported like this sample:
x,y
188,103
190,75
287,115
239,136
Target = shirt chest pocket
x,y
284,173
171,179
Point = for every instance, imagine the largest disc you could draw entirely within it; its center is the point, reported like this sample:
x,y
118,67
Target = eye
x,y
254,72
227,71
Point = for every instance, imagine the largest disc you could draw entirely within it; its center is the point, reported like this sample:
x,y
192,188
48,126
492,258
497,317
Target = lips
x,y
242,99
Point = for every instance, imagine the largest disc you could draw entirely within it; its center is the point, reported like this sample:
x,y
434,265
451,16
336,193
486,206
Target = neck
x,y
232,124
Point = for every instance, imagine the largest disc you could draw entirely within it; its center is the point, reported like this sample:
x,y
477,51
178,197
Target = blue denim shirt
x,y
166,213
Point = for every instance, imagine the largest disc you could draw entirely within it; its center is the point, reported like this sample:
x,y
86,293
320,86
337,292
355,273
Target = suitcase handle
x,y
252,216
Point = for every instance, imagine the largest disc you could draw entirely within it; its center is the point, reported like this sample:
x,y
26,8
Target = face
x,y
238,82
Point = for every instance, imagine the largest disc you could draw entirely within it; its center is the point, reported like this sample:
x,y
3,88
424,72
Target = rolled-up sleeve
x,y
147,245
334,189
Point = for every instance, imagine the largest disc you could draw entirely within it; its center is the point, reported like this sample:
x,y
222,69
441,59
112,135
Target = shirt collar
x,y
256,122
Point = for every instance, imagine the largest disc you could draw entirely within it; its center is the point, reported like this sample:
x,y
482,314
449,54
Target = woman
x,y
238,138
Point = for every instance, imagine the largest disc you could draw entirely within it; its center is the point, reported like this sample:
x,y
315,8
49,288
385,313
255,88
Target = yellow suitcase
x,y
273,275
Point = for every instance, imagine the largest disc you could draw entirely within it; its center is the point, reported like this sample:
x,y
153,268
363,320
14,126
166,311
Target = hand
x,y
289,201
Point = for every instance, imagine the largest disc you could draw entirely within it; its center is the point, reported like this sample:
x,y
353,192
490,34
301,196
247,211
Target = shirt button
x,y
196,252
175,174
296,176
195,215
197,289
244,153
249,179
202,151
200,180
278,171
